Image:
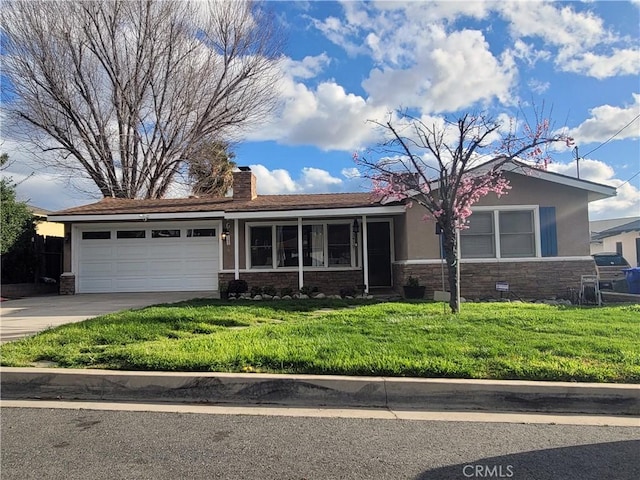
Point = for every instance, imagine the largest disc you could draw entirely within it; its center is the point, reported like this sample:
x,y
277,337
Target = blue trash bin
x,y
633,279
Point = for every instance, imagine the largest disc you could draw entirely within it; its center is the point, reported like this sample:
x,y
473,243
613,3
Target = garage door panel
x,y
172,250
182,283
97,269
132,251
95,285
203,268
137,268
96,252
133,284
148,264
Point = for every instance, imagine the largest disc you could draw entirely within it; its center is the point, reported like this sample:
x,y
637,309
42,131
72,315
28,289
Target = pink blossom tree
x,y
448,168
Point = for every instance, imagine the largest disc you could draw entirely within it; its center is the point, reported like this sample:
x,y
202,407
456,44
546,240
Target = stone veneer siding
x,y
67,284
329,282
527,280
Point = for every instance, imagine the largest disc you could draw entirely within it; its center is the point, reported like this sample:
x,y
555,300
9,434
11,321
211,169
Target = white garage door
x,y
157,258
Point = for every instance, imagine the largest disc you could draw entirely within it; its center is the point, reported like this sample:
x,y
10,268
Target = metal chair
x,y
590,290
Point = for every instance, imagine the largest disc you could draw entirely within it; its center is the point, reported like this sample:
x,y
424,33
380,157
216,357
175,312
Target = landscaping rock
x,y
286,297
320,296
276,297
257,297
302,296
266,296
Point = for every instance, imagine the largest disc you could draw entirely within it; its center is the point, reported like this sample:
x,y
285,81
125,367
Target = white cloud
x,y
584,45
327,117
308,67
625,204
310,180
606,121
350,173
272,182
620,62
538,86
440,81
560,26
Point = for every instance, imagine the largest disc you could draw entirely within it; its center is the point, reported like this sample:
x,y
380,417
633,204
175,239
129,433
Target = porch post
x,y
300,259
236,253
365,251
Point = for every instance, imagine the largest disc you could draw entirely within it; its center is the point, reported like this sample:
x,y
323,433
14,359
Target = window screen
x,y
339,244
478,241
261,247
517,238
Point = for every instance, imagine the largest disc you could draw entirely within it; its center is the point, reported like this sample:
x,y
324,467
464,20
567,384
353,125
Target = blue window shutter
x,y
548,234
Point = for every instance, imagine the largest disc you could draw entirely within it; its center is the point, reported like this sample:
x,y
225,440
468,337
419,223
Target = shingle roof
x,y
111,206
627,227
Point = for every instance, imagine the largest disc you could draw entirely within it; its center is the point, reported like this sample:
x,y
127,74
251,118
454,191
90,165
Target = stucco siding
x,y
572,217
628,240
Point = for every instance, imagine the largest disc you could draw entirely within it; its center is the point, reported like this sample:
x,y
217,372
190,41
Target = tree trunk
x,y
451,256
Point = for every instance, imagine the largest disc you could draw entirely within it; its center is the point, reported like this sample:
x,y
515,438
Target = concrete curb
x,y
396,393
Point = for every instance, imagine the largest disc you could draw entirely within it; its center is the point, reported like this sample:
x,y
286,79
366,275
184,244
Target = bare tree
x,y
210,169
125,91
440,167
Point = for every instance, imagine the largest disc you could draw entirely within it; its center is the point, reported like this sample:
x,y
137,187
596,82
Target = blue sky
x,y
349,62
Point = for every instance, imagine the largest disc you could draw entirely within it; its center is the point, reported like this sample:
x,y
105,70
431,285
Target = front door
x,y
379,254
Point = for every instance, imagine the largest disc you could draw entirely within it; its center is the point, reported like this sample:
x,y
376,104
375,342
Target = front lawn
x,y
488,340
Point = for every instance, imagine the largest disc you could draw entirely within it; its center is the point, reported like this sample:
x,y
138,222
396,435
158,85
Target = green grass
x,y
490,340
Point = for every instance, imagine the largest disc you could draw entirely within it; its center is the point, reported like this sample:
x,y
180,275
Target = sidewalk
x,y
423,394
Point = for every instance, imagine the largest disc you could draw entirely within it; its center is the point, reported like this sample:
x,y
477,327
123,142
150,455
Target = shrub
x,y
286,291
270,290
255,290
237,286
306,290
413,282
348,292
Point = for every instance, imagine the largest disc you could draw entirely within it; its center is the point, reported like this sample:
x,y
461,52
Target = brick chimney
x,y
244,184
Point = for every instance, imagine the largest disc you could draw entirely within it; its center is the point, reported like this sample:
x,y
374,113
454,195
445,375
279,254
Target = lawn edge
x,y
425,394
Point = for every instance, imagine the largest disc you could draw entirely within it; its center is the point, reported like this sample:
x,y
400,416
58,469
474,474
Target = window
x,y
96,235
517,237
313,245
478,241
261,247
339,244
500,233
619,248
165,233
201,232
131,234
287,246
323,245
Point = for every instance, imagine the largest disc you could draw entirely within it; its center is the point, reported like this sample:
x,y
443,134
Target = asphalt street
x,y
91,444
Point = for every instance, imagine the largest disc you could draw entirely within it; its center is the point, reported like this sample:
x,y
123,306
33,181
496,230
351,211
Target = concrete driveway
x,y
27,316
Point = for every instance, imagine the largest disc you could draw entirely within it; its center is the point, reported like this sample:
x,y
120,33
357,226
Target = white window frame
x,y
306,268
496,230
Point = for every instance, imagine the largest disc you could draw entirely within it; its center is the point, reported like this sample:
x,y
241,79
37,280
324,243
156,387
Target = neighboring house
x,y
43,226
598,226
536,238
623,239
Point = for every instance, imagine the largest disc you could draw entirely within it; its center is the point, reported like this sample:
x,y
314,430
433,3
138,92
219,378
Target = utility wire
x,y
612,137
632,177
